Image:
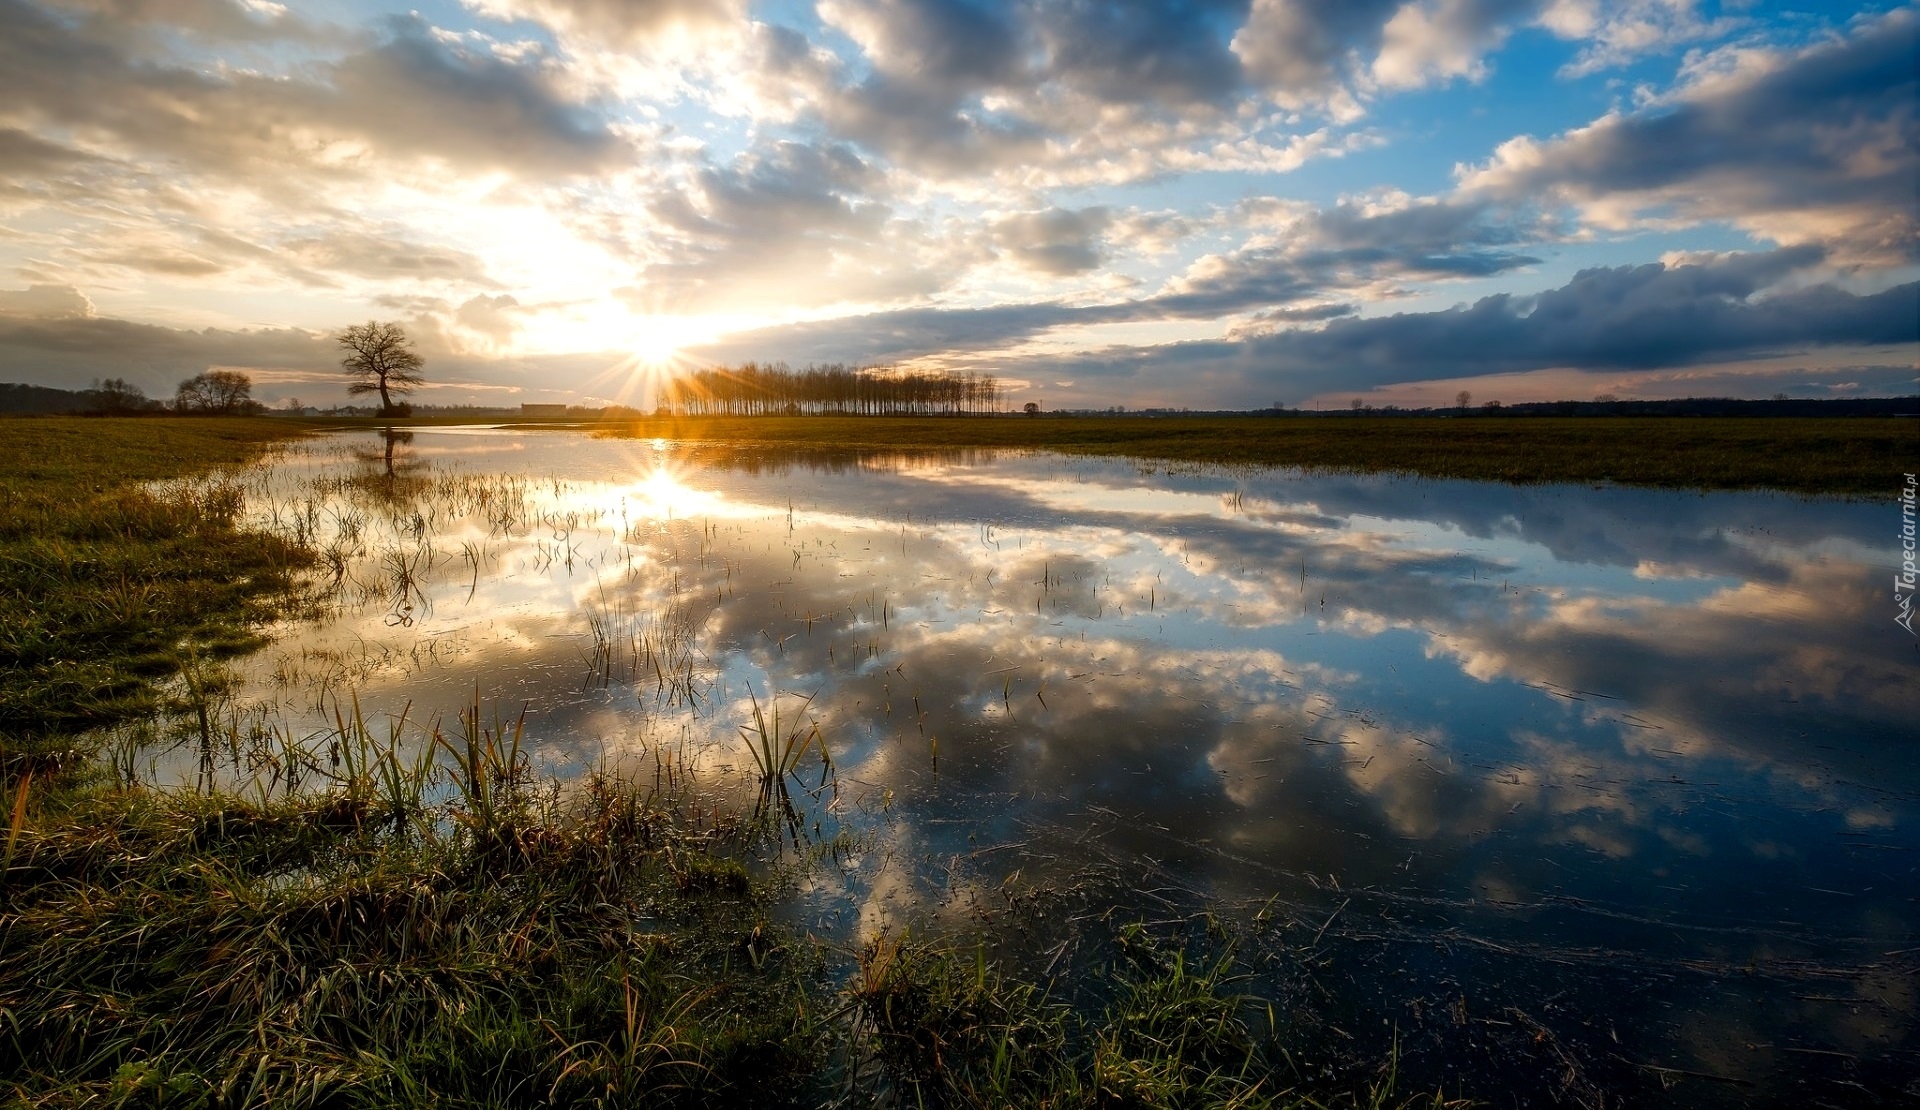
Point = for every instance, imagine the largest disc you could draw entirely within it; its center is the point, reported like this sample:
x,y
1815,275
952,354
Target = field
x,y
1846,456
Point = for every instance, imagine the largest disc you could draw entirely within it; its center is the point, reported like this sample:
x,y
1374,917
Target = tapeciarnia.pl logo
x,y
1904,582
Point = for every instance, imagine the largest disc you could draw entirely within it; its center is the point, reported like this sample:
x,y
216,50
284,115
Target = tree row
x,y
755,389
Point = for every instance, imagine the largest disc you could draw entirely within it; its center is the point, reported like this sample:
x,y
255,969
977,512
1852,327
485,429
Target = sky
x,y
1159,203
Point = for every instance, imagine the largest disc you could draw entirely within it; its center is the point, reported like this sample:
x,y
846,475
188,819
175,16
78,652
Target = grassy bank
x,y
400,915
1863,456
108,587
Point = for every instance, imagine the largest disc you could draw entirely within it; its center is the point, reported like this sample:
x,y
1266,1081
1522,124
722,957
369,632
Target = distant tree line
x,y
755,389
1606,405
214,393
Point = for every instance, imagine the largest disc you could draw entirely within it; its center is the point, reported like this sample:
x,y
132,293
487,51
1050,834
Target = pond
x,y
1560,790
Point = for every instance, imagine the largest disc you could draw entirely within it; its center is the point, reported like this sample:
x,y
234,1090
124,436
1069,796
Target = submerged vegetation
x,y
403,913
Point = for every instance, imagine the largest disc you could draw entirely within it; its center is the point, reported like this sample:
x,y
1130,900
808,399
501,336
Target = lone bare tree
x,y
380,359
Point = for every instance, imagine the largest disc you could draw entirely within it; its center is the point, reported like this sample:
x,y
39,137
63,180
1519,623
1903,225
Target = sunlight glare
x,y
660,494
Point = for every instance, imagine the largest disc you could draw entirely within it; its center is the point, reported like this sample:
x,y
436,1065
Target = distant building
x,y
543,410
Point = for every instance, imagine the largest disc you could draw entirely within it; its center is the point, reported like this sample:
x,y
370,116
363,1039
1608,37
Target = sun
x,y
659,351
654,356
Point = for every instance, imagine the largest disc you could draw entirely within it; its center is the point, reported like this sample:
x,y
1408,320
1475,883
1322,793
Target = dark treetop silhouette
x,y
226,392
380,359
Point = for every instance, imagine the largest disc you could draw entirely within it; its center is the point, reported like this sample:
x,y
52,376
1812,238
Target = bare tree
x,y
118,396
220,392
380,359
1462,399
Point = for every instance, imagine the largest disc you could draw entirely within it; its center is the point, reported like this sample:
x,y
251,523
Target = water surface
x,y
1568,789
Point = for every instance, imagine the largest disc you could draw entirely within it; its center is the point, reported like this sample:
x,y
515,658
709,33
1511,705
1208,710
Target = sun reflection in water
x,y
662,493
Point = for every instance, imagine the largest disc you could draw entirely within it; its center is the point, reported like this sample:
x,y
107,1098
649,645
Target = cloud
x,y
616,23
1037,95
1058,242
1624,318
53,302
1298,48
387,253
1819,145
945,44
1325,53
216,20
419,93
1310,255
1619,31
24,155
788,225
882,337
72,348
1352,245
407,96
1169,51
1439,40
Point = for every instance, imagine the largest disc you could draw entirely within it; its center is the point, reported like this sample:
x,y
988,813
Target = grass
x,y
1863,456
397,914
944,1027
108,587
205,950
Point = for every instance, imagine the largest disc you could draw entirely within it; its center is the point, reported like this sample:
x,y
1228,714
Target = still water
x,y
1564,790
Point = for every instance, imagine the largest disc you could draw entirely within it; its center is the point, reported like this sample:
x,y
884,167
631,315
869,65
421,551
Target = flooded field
x,y
1570,793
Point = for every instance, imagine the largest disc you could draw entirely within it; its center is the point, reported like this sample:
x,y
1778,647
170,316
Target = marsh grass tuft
x,y
777,749
943,1026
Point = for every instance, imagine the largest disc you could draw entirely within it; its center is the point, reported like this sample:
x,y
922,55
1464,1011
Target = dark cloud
x,y
23,155
410,95
929,128
953,44
1820,146
1075,87
1058,241
1174,51
1626,318
1299,47
1350,246
386,255
1322,254
1312,51
72,349
418,93
218,20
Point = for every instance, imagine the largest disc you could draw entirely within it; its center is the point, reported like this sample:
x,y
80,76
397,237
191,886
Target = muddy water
x,y
1570,790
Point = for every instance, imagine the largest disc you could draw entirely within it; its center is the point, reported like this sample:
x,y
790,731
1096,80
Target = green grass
x,y
1864,456
107,588
203,951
